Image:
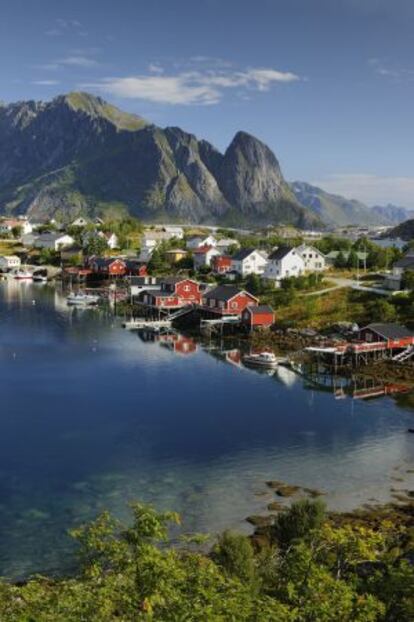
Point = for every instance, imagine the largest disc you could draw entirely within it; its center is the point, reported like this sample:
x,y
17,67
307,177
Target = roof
x,y
158,293
203,250
225,292
389,331
404,262
52,237
260,309
280,252
176,250
142,280
243,253
173,280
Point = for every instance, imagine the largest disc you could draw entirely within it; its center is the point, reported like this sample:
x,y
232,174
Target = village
x,y
230,282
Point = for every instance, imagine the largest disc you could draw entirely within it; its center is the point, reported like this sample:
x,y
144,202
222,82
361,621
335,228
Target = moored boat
x,y
22,275
266,360
81,299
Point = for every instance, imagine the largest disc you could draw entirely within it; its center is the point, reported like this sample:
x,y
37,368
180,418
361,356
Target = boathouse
x,y
256,316
393,335
174,292
228,300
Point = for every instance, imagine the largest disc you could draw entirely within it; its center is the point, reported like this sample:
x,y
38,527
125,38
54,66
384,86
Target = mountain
x,y
333,209
405,231
77,154
393,214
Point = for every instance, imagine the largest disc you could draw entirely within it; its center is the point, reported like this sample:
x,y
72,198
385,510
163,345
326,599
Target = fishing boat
x,y
81,299
22,275
266,360
40,277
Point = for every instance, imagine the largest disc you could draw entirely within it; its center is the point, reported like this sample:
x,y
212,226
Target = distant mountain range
x,y
77,154
405,230
335,210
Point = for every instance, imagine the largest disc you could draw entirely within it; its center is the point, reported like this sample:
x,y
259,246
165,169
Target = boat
x,y
22,275
39,277
81,299
266,360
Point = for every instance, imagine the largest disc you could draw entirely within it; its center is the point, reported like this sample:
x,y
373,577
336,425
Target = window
x,y
187,288
234,305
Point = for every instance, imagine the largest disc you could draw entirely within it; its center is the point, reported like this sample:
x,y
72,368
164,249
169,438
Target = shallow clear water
x,y
93,417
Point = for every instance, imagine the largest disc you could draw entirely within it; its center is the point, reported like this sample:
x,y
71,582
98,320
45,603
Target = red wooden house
x,y
228,300
221,264
107,266
255,316
174,292
391,335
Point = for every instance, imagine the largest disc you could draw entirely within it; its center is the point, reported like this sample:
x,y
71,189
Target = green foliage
x,y
382,311
316,573
95,245
299,521
234,553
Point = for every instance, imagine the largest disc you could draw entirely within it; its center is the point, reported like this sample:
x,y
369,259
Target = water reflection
x,y
93,416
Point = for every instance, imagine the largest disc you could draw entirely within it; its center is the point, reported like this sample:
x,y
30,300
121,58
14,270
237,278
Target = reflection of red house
x,y
228,300
260,315
178,343
175,292
221,264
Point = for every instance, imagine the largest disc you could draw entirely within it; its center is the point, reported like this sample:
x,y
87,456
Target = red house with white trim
x,y
228,300
256,316
174,292
221,264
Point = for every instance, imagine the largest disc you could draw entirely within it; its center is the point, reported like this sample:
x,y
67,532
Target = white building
x,y
283,262
80,222
203,256
394,281
313,258
249,261
7,262
8,224
54,241
225,243
198,241
175,232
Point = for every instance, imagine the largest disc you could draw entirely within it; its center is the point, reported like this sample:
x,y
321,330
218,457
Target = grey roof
x,y
280,252
259,309
223,292
173,280
158,293
389,331
404,262
50,237
142,280
243,253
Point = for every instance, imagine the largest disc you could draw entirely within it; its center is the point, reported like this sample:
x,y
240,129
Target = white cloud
x,y
66,26
77,61
191,87
155,68
386,70
45,82
371,189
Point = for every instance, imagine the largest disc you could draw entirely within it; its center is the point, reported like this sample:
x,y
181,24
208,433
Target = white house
x,y
203,256
313,258
198,241
225,243
7,262
111,239
249,261
80,222
394,280
175,232
54,241
8,224
283,262
152,239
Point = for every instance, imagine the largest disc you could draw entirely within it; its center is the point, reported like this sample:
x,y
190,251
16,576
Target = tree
x,y
382,311
17,232
96,245
340,261
296,523
234,553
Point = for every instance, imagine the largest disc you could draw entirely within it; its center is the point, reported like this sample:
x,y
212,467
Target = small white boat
x,y
39,278
22,275
82,300
266,360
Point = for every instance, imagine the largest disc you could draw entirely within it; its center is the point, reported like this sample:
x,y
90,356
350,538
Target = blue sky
x,y
327,84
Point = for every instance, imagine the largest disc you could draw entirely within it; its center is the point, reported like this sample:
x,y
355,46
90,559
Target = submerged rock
x,y
260,521
287,490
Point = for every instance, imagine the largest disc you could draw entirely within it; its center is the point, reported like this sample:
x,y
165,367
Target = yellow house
x,y
175,254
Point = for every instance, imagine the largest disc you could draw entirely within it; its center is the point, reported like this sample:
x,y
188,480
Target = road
x,y
341,283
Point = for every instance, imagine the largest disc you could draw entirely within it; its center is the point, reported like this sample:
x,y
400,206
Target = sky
x,y
327,84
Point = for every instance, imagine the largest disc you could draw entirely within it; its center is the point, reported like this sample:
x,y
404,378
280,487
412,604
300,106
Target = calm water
x,y
92,417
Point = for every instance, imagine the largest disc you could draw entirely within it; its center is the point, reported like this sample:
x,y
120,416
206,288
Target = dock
x,y
143,324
